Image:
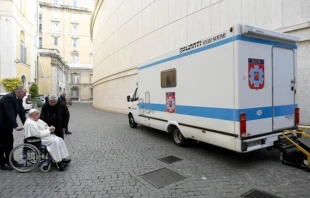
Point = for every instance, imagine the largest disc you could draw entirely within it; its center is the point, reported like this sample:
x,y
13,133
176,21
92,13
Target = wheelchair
x,y
26,157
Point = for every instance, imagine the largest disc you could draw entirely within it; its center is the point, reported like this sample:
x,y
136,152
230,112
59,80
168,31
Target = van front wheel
x,y
132,122
178,138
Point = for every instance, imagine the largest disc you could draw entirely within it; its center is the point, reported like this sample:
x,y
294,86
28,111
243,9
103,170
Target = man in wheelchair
x,y
34,127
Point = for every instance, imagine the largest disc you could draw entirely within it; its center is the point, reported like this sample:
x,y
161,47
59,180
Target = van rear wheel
x,y
132,122
178,138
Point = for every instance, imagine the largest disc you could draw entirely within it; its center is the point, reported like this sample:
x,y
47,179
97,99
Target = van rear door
x,y
283,70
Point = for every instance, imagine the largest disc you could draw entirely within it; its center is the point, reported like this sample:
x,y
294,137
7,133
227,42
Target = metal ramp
x,y
294,146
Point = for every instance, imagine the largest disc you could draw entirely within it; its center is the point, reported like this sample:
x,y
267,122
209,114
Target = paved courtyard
x,y
108,159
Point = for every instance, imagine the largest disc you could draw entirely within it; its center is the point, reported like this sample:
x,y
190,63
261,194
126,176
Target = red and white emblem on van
x,y
256,73
170,102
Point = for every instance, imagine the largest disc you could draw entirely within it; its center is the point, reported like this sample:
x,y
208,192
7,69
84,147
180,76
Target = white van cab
x,y
26,101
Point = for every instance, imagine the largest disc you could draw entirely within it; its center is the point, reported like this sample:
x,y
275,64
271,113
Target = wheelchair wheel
x,y
45,167
24,158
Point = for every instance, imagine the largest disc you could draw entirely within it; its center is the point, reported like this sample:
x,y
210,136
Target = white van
x,y
26,101
235,89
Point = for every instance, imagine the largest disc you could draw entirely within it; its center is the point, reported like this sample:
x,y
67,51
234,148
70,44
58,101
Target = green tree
x,y
11,84
34,90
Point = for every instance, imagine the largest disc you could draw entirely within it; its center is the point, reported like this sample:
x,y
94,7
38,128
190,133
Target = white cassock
x,y
54,144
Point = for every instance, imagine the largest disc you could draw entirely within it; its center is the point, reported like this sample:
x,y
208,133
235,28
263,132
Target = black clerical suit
x,y
10,107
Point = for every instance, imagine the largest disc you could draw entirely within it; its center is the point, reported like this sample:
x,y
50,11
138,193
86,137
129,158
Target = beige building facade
x,y
126,32
53,72
18,40
80,82
64,25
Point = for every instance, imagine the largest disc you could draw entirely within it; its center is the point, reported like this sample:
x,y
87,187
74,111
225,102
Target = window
x,y
55,41
168,78
74,3
40,23
135,95
75,58
35,71
74,42
23,78
23,53
23,49
55,27
74,28
55,1
75,78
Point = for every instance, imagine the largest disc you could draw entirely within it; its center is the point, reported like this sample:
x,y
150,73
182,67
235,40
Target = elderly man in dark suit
x,y
11,105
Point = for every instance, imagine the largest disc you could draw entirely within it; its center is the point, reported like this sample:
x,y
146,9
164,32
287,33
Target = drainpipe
x,y
37,66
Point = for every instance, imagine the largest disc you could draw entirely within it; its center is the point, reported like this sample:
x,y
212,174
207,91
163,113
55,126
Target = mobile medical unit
x,y
235,89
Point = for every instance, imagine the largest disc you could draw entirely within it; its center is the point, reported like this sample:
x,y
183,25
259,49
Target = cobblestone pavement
x,y
108,159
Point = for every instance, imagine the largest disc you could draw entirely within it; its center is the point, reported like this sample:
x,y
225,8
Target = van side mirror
x,y
128,98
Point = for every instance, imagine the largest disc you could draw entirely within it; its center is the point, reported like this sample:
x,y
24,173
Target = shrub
x,y
34,90
11,84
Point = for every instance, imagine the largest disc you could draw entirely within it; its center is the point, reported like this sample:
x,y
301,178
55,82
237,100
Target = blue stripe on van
x,y
219,43
226,113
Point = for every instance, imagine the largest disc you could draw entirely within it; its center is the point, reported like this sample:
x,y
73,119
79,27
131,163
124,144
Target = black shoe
x,y
66,161
6,167
68,132
60,166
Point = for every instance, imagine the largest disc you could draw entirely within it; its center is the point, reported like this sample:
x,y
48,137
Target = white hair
x,y
33,110
53,97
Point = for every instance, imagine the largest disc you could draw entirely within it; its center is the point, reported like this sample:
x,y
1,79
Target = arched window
x,y
23,49
24,80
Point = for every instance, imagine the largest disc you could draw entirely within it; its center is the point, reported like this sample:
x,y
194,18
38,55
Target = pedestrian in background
x,y
11,105
55,114
46,98
62,99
